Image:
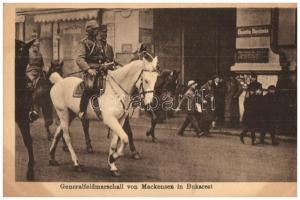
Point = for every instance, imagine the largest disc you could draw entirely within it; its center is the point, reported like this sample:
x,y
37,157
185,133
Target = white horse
x,y
114,105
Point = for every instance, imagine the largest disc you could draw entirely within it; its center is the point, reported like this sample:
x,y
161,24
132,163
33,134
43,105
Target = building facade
x,y
197,42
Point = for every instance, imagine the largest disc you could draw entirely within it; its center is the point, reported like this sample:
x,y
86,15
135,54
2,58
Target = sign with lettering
x,y
253,31
256,55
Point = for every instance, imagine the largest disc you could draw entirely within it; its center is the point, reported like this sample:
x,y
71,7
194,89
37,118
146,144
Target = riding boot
x,y
84,101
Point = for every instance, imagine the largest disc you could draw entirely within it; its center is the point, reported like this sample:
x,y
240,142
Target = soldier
x,y
106,48
90,58
34,71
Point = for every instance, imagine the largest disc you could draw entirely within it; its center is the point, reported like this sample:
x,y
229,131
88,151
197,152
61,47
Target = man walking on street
x,y
189,100
270,115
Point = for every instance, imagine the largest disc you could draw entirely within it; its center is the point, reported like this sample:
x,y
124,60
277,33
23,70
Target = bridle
x,y
141,88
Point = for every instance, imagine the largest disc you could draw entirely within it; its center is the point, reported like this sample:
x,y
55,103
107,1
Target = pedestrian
x,y
232,93
270,114
207,116
189,101
248,118
218,90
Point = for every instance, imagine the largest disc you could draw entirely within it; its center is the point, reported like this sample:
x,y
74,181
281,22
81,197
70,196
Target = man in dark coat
x,y
248,117
218,89
207,116
270,114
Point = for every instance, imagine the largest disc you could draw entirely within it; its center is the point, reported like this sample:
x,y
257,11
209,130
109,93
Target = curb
x,y
221,131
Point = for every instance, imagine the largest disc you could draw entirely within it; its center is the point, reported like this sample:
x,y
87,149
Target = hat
x,y
253,75
103,28
191,82
271,87
92,24
215,76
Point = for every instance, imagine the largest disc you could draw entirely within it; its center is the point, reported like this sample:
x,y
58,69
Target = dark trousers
x,y
270,130
190,118
252,130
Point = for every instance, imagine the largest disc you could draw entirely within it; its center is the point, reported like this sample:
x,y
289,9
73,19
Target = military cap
x,y
92,24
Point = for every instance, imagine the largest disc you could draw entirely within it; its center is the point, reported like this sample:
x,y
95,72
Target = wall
x,y
249,17
126,33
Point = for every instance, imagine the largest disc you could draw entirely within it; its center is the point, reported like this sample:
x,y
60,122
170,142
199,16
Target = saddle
x,y
77,93
94,99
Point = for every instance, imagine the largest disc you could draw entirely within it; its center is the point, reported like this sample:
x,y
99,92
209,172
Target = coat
x,y
270,112
253,116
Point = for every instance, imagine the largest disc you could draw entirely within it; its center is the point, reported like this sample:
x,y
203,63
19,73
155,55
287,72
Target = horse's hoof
x,y
53,163
154,139
65,149
115,173
78,168
148,133
136,156
90,149
30,175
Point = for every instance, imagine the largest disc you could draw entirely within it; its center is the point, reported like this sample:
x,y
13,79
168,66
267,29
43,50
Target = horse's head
x,y
22,51
56,66
148,78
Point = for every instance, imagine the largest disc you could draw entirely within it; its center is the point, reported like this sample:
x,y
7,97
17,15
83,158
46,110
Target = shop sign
x,y
253,31
256,55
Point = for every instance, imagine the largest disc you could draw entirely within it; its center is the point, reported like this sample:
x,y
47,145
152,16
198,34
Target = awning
x,y
66,16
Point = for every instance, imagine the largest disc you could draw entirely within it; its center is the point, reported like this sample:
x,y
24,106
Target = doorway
x,y
209,43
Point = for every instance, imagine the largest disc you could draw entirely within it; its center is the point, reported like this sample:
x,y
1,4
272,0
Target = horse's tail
x,y
55,77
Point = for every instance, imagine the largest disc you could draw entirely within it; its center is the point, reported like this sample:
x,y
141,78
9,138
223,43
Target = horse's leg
x,y
71,118
128,131
112,156
116,127
58,134
86,125
153,117
48,115
27,139
64,117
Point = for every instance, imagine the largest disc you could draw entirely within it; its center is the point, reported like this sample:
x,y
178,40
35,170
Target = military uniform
x,y
35,65
90,55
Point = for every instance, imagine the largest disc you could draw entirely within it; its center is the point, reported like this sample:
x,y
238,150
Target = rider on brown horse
x,y
34,71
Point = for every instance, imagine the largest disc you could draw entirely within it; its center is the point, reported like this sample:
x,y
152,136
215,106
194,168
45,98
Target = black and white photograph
x,y
152,95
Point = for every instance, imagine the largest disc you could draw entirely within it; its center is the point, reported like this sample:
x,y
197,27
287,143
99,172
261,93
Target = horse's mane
x,y
125,68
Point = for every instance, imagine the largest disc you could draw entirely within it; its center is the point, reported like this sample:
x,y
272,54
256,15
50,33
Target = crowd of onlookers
x,y
240,100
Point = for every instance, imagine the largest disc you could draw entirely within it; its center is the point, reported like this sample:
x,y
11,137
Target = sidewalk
x,y
174,123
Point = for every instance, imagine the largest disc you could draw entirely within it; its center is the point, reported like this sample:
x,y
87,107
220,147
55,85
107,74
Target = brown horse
x,y
23,100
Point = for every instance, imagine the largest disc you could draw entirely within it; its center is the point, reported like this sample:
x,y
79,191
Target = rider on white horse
x,y
91,57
